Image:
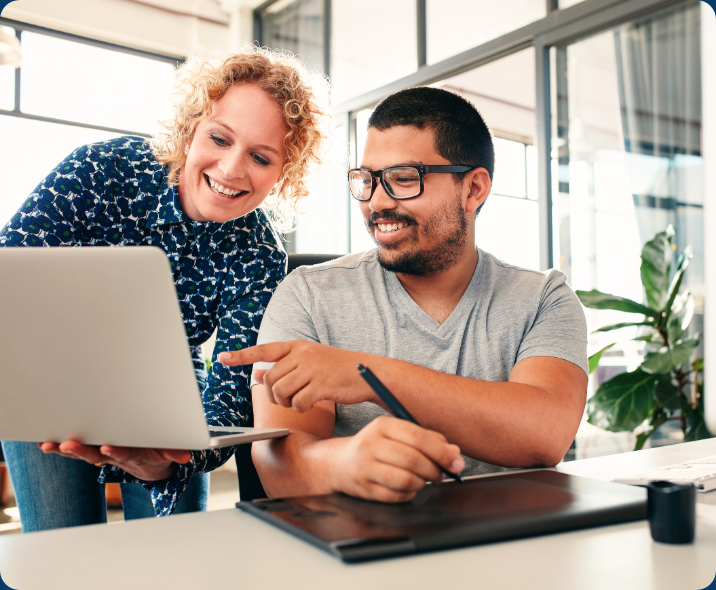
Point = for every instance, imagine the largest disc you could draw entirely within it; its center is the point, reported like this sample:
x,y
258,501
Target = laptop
x,y
93,348
482,510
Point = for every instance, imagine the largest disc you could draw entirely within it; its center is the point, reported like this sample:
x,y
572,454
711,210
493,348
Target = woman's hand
x,y
146,464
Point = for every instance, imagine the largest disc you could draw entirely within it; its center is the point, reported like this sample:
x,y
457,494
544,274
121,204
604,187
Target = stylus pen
x,y
395,406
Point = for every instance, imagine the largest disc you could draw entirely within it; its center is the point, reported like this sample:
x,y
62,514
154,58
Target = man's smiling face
x,y
425,234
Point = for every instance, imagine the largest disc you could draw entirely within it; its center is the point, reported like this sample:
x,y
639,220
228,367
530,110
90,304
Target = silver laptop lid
x,y
93,347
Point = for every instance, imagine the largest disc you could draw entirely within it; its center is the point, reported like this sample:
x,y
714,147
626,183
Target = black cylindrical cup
x,y
672,512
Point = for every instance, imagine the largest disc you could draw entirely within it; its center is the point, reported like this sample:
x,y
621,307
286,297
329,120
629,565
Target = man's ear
x,y
477,183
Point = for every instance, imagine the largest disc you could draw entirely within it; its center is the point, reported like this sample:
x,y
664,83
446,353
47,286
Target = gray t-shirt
x,y
506,314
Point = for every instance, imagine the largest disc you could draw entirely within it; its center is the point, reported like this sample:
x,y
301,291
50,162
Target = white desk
x,y
231,549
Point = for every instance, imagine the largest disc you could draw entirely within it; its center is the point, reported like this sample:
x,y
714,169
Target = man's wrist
x,y
334,463
324,461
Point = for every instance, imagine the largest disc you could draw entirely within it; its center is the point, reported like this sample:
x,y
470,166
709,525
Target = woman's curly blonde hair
x,y
301,94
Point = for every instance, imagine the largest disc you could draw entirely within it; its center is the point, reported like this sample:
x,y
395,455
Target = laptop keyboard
x,y
700,472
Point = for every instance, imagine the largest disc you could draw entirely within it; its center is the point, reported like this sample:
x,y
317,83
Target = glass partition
x,y
504,93
627,163
298,27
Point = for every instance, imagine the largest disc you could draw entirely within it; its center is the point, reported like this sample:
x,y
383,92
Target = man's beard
x,y
447,229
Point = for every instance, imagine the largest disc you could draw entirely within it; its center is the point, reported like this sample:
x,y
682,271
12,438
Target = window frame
x,y
558,28
20,27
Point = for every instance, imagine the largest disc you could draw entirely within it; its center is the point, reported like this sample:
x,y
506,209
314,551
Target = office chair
x,y
250,487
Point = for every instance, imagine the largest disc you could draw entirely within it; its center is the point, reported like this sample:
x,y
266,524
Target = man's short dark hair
x,y
461,135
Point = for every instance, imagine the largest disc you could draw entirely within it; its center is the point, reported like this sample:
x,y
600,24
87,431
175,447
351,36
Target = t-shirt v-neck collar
x,y
424,319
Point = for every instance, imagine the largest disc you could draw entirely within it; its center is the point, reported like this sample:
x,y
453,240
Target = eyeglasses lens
x,y
360,184
404,181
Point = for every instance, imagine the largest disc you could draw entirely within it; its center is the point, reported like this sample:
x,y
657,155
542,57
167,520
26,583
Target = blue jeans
x,y
54,492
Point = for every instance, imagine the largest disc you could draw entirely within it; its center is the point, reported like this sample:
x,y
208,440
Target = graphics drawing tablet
x,y
484,510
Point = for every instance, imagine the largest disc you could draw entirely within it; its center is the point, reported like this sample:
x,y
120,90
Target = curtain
x,y
659,79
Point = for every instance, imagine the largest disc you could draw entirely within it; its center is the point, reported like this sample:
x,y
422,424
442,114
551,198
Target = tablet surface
x,y
483,510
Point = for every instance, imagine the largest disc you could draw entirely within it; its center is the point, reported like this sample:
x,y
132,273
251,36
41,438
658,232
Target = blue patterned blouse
x,y
115,193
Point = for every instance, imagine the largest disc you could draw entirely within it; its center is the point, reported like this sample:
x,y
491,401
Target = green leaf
x,y
681,267
610,327
682,311
623,402
696,428
596,357
667,359
647,337
656,258
667,394
657,419
598,300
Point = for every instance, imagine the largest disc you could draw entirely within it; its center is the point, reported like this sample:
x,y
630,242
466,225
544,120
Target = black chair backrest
x,y
296,260
250,487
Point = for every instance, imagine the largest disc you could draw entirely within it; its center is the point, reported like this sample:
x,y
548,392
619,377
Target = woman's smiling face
x,y
235,157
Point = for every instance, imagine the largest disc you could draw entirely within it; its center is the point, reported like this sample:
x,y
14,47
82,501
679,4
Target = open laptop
x,y
93,348
483,510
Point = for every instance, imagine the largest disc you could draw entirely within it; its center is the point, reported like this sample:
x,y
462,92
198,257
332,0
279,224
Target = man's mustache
x,y
393,216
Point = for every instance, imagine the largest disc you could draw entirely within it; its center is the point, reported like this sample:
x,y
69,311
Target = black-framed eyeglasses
x,y
400,182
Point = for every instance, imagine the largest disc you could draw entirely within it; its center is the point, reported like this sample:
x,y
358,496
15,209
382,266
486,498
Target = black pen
x,y
394,406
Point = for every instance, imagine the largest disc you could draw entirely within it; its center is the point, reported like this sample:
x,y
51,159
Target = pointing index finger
x,y
268,353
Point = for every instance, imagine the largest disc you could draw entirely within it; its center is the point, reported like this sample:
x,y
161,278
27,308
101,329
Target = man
x,y
489,358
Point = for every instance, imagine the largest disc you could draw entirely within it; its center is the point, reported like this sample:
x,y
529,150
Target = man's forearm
x,y
296,465
528,421
511,424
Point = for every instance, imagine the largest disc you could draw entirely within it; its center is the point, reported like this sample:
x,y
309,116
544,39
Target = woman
x,y
245,131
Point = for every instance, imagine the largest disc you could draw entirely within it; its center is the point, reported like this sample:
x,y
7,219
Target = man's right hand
x,y
390,460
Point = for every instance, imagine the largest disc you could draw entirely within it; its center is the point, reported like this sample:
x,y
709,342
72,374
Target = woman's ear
x,y
478,185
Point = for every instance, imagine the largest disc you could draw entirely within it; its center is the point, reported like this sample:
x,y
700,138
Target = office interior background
x,y
595,106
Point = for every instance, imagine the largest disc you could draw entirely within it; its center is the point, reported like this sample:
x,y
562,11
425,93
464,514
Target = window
x,y
373,43
503,92
627,161
297,26
401,48
454,26
29,150
360,238
508,225
72,92
322,226
7,81
76,82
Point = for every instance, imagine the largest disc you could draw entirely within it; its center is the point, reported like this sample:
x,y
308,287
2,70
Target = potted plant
x,y
667,384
